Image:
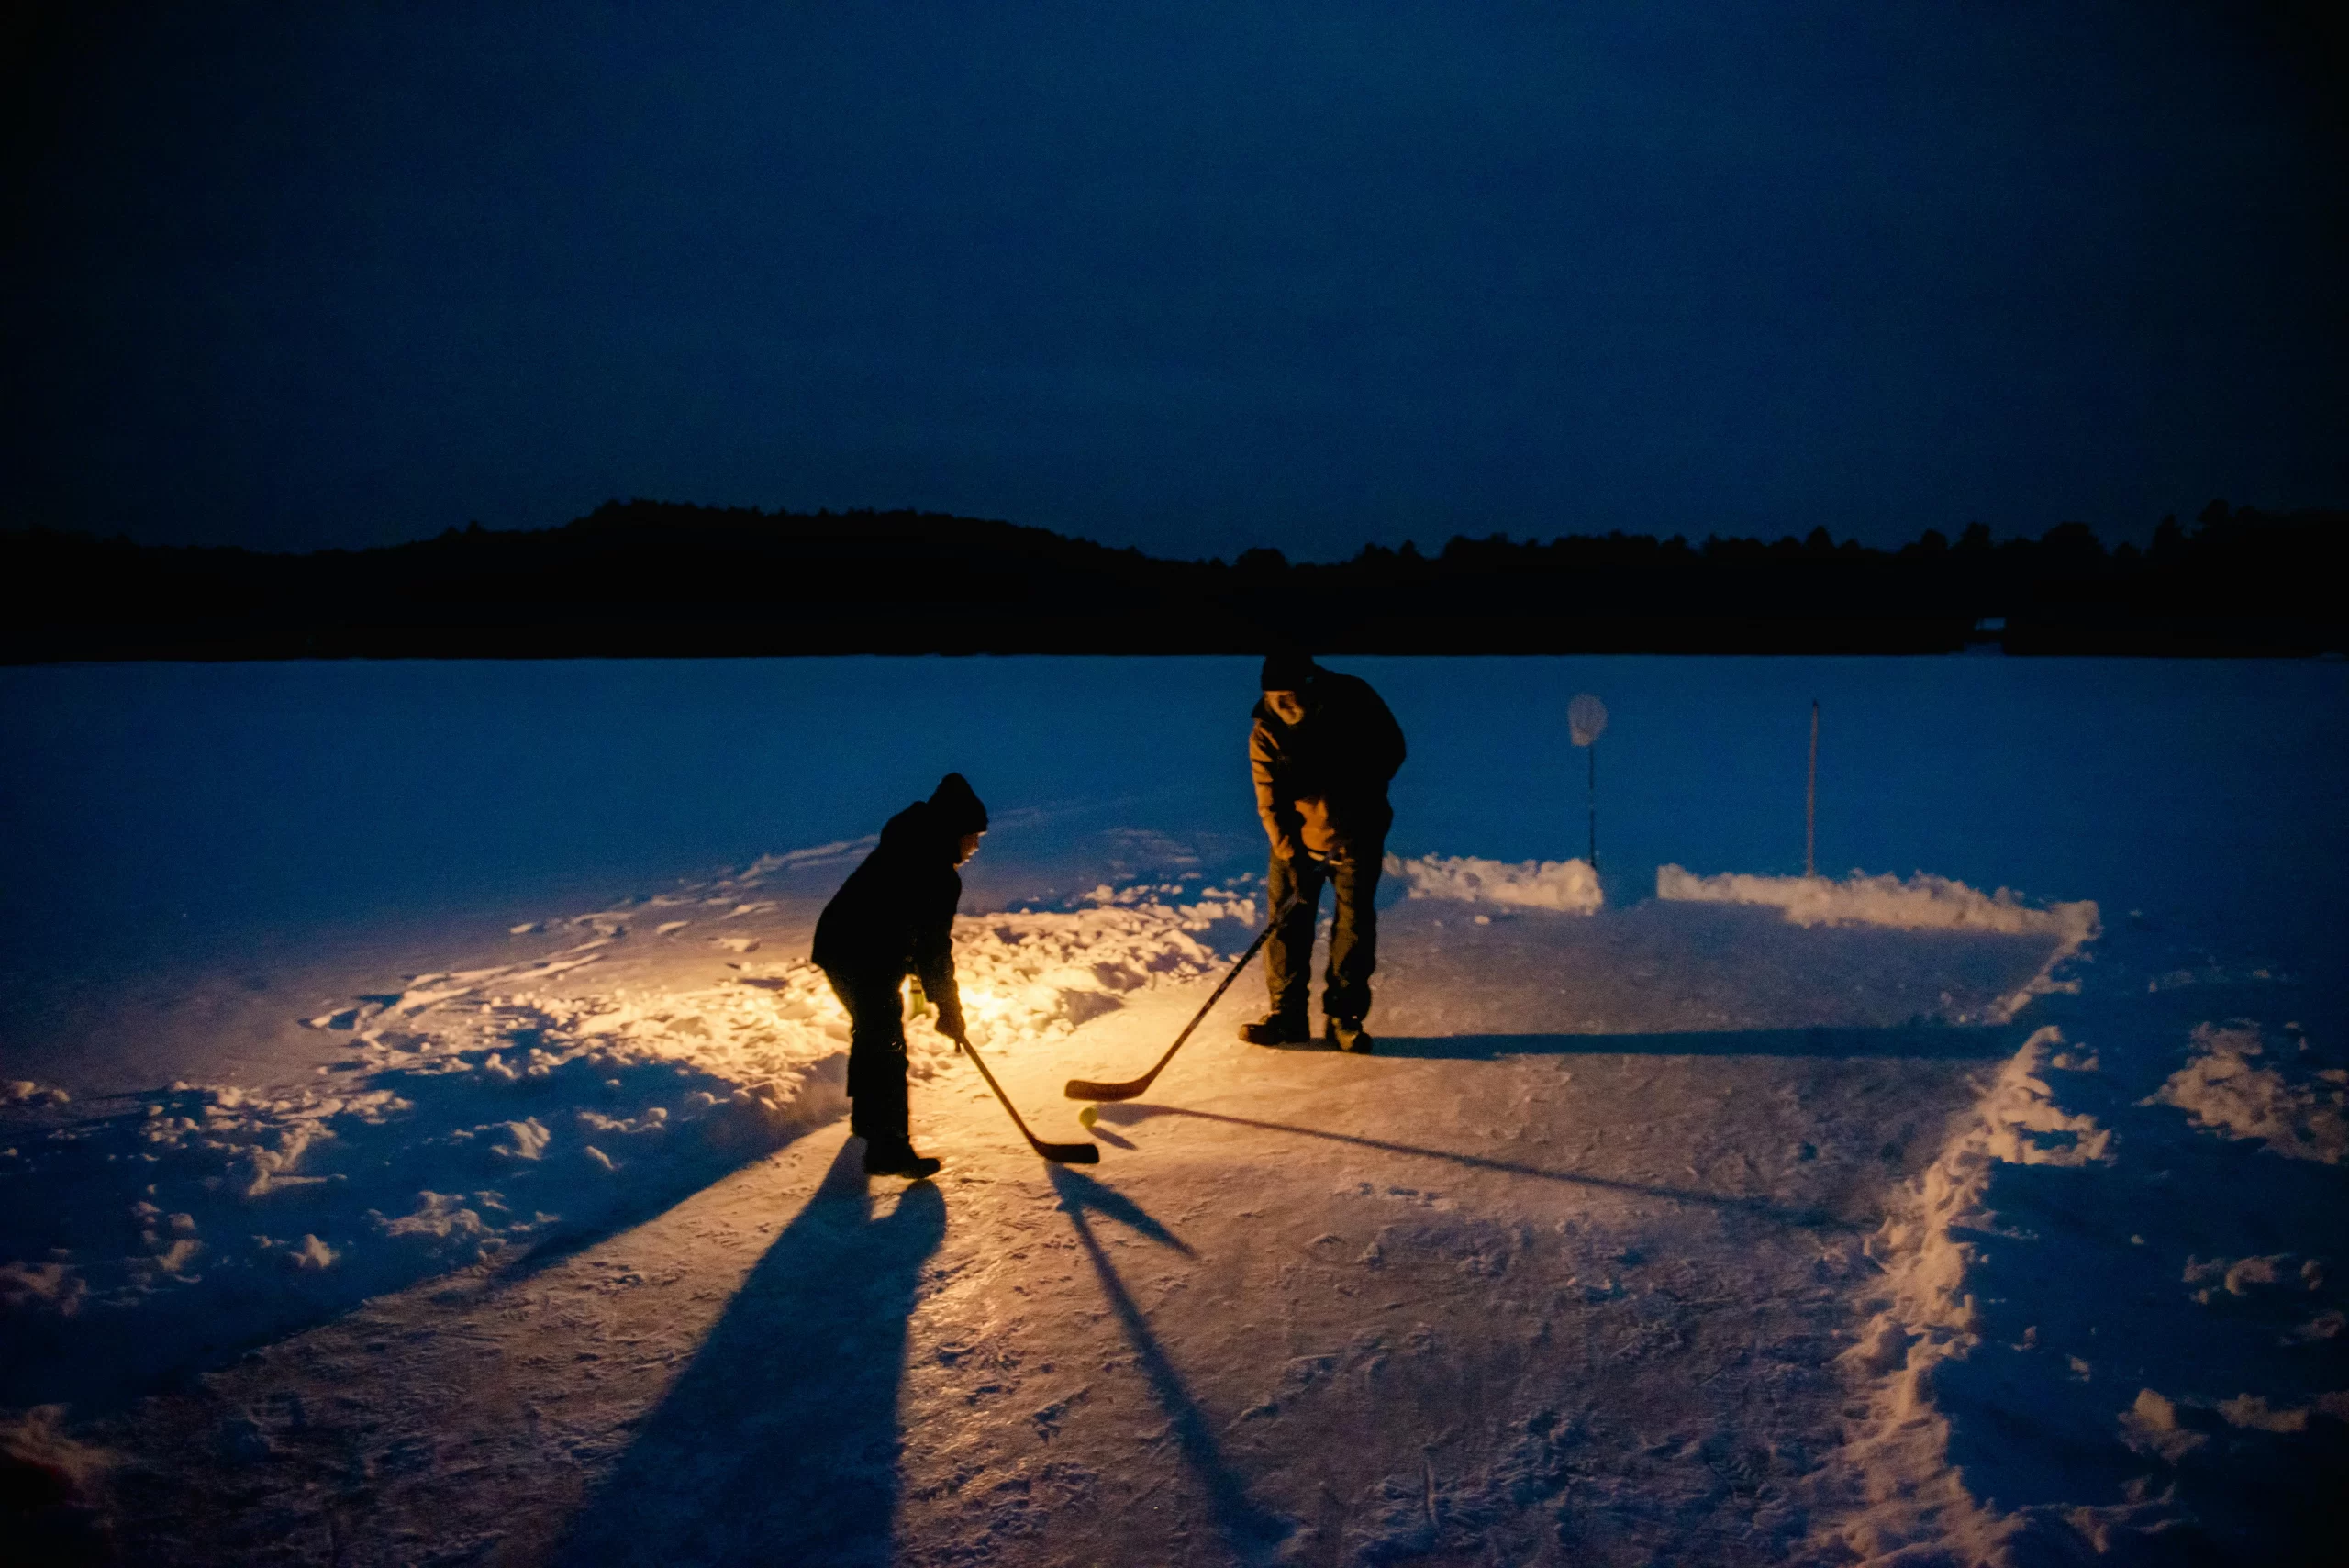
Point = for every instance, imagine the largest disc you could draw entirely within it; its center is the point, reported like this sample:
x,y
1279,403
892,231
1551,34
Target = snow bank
x,y
2054,1369
1922,902
479,1110
1570,886
1905,1500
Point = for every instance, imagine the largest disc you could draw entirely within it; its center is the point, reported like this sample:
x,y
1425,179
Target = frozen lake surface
x,y
1766,1221
223,823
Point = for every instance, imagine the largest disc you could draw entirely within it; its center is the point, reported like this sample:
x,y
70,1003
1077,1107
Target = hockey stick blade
x,y
1058,1154
1087,1089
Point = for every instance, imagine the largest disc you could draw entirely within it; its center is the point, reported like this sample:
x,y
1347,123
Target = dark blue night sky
x,y
1193,277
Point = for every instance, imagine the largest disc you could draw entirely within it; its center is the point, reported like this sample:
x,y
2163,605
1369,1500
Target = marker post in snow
x,y
1811,801
1586,717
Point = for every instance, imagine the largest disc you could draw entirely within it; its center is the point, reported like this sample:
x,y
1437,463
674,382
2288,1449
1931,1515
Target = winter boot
x,y
897,1159
1276,1028
1347,1034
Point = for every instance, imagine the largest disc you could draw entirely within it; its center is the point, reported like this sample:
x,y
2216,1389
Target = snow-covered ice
x,y
1896,1217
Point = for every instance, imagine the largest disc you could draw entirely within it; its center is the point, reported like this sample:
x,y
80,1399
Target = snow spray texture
x,y
2080,1349
478,1112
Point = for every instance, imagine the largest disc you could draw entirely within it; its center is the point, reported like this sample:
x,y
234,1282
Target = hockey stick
x,y
1086,1089
1058,1153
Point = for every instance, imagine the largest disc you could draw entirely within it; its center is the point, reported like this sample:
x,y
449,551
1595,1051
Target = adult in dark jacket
x,y
894,917
1322,751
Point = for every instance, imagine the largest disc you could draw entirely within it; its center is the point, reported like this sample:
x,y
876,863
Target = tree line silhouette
x,y
652,577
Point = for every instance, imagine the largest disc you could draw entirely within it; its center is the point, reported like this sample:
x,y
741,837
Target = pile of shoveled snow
x,y
1569,886
1922,902
477,1111
2074,1354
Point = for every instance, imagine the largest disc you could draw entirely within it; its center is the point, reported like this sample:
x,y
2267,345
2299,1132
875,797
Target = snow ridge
x,y
1902,1490
1922,902
1568,886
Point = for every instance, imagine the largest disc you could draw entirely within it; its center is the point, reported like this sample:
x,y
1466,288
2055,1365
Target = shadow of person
x,y
1251,1532
1805,1217
1953,1042
780,1442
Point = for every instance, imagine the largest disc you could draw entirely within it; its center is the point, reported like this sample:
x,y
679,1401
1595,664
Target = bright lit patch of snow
x,y
483,1109
1568,886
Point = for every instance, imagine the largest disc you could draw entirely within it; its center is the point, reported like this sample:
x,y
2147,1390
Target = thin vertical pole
x,y
1594,807
1811,801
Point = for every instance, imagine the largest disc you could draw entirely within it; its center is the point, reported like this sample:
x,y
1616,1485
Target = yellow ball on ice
x,y
1088,1116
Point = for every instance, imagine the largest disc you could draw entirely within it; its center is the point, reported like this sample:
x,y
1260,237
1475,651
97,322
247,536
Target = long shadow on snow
x,y
1250,1532
1809,1218
1929,1041
352,1183
780,1442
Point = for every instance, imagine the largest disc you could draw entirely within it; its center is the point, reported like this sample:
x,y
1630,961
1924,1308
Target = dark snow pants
x,y
1353,936
876,1055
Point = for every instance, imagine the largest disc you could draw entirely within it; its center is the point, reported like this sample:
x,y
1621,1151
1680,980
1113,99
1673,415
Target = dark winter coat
x,y
895,915
1322,785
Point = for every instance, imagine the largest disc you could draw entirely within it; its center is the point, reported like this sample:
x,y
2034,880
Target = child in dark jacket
x,y
894,917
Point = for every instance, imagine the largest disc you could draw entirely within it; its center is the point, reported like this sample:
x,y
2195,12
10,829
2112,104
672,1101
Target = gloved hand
x,y
950,1021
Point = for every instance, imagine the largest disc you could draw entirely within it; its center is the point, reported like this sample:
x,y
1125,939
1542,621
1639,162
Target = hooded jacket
x,y
1322,783
895,915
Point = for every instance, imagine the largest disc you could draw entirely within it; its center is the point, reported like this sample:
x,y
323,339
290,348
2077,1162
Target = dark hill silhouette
x,y
649,577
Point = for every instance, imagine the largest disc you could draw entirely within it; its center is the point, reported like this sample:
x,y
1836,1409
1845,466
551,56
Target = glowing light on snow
x,y
535,1092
